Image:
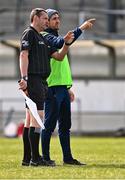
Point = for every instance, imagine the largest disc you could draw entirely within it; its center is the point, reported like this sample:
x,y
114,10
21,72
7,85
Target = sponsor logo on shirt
x,y
41,42
25,43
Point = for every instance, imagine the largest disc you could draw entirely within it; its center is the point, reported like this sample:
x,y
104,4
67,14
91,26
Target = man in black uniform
x,y
35,68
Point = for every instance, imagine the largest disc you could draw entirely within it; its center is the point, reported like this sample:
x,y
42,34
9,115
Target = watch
x,y
25,78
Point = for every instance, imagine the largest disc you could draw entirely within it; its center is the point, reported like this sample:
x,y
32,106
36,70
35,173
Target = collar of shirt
x,y
53,31
34,29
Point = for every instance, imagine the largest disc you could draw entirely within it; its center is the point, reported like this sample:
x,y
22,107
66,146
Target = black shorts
x,y
37,90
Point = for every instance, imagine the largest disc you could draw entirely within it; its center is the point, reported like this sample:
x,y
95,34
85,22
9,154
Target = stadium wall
x,y
99,105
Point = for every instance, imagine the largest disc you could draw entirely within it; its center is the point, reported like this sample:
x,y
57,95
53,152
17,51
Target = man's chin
x,y
45,28
57,28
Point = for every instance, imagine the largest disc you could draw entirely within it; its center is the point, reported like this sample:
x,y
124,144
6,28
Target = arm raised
x,y
59,55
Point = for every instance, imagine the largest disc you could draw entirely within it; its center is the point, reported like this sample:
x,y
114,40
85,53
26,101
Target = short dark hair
x,y
37,12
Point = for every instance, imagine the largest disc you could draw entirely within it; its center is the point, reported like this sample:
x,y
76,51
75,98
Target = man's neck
x,y
36,27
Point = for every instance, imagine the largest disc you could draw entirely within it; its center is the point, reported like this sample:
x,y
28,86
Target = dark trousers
x,y
57,108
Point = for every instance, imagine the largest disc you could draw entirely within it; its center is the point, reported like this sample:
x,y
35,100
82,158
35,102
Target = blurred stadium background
x,y
97,61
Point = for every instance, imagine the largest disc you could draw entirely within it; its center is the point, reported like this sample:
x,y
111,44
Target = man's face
x,y
43,21
54,22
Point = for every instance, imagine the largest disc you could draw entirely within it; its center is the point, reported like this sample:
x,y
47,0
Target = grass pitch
x,y
105,158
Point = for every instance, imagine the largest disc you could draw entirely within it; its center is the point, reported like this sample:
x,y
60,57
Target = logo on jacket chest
x,y
41,42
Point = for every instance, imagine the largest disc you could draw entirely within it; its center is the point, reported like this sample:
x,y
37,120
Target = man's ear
x,y
36,18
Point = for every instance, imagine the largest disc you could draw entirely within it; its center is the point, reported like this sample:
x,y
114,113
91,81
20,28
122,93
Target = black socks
x,y
26,145
34,135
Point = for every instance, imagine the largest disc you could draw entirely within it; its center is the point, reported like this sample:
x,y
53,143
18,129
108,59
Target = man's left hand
x,y
72,96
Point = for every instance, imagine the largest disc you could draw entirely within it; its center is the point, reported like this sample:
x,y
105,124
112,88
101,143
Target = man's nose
x,y
47,22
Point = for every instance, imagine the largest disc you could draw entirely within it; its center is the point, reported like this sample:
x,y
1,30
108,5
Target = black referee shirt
x,y
39,52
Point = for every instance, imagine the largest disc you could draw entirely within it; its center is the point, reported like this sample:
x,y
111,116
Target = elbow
x,y
23,54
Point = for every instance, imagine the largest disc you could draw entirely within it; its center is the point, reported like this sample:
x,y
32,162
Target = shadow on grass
x,y
106,166
96,166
